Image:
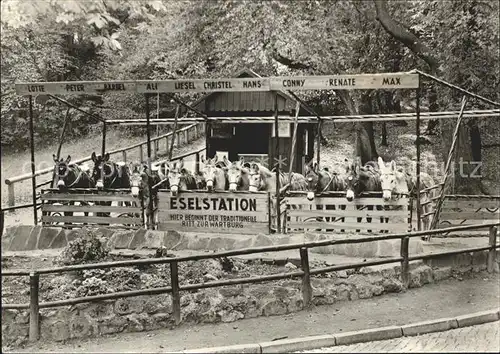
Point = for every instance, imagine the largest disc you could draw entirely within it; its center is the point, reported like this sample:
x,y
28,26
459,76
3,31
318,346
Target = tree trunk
x,y
365,138
466,179
384,134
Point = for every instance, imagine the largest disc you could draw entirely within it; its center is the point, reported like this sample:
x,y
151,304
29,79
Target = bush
x,y
89,247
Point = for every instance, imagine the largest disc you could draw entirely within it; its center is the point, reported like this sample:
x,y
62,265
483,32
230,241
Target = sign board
x,y
284,130
346,82
75,87
335,82
208,85
217,212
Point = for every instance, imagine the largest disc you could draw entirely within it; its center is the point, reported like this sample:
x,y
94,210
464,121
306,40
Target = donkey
x,y
179,178
109,175
66,176
214,176
321,181
237,175
262,179
140,179
362,179
393,182
426,181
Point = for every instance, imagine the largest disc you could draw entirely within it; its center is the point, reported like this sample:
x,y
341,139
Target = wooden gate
x,y
459,210
331,212
80,207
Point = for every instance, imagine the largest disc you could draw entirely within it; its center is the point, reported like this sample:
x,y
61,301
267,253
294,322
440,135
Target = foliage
x,y
140,39
89,247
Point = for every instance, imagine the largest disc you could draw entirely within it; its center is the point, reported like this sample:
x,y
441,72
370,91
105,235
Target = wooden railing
x,y
184,135
59,208
305,273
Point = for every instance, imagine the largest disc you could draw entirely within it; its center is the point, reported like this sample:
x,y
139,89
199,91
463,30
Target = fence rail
x,y
189,133
304,273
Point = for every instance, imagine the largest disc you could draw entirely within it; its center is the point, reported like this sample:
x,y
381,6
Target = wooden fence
x,y
305,273
219,212
184,135
468,210
79,207
332,212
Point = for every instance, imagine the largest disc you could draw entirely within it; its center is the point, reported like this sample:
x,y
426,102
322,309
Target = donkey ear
x,y
215,159
393,166
106,157
381,165
202,159
181,164
55,158
357,169
68,159
94,157
242,159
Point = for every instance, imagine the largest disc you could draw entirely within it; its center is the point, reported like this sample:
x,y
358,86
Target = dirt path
x,y
447,298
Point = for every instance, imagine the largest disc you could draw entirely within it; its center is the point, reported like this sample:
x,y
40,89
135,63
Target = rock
x,y
342,274
209,277
79,327
125,306
54,330
442,273
290,266
392,285
230,316
22,317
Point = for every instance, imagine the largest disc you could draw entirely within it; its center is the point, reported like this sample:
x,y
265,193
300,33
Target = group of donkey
x,y
222,175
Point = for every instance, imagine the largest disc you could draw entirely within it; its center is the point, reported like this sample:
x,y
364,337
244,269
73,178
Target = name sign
x,y
75,87
346,82
239,213
214,85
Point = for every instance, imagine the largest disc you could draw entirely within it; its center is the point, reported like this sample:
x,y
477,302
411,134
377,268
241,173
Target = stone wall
x,y
225,304
25,238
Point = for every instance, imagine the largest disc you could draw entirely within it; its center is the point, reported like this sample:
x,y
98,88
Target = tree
x,y
466,54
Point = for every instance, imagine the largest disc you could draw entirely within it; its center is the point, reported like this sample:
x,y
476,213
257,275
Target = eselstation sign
x,y
241,213
295,83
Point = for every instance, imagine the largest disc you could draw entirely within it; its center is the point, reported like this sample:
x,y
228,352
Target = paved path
x,y
447,298
480,338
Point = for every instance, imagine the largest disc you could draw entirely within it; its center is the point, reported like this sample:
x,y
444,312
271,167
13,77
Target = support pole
x,y
104,128
306,278
32,148
277,156
61,139
294,138
417,142
318,143
171,150
34,318
176,297
439,202
148,131
148,135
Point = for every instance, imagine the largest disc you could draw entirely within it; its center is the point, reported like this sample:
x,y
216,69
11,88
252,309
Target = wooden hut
x,y
255,140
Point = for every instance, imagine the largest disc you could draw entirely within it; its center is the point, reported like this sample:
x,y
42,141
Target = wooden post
x,y
124,155
278,158
34,307
318,147
417,143
440,200
141,153
492,253
269,211
103,147
186,137
306,278
171,150
197,163
166,144
12,196
32,148
176,298
195,131
294,138
405,264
